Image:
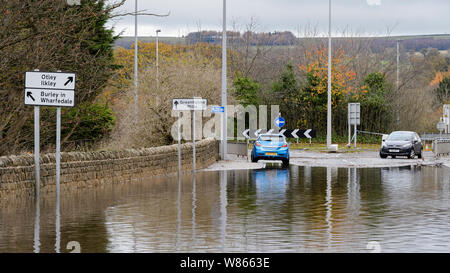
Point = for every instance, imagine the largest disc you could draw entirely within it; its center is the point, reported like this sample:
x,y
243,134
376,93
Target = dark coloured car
x,y
402,143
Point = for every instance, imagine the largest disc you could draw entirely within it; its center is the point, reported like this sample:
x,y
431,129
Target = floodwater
x,y
299,209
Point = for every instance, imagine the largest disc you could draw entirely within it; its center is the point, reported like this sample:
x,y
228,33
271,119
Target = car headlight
x,y
407,145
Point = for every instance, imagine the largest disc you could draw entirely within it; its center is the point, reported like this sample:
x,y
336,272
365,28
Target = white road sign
x,y
354,113
47,97
50,80
189,104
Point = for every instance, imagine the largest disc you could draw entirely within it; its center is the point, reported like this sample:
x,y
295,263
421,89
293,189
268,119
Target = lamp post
x,y
136,63
224,82
157,58
329,80
397,83
136,56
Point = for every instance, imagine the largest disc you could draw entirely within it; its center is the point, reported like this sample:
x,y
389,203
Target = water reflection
x,y
223,208
37,226
328,205
194,205
271,210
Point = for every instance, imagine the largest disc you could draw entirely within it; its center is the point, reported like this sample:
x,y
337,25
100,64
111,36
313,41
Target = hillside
x,y
409,43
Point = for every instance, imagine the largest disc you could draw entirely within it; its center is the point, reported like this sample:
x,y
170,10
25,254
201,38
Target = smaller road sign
x,y
189,104
441,126
218,109
50,80
245,133
47,97
280,122
354,114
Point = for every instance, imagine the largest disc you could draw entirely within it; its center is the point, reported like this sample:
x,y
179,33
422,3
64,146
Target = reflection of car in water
x,y
402,144
271,147
274,181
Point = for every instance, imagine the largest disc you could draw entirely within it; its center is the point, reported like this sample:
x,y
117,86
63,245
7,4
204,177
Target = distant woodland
x,y
287,38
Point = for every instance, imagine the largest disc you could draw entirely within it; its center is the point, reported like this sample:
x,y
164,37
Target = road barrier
x,y
432,137
239,149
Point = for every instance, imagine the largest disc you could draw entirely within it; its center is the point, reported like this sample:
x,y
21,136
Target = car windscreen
x,y
400,137
272,138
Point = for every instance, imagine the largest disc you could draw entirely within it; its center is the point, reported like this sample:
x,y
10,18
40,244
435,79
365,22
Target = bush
x,y
94,121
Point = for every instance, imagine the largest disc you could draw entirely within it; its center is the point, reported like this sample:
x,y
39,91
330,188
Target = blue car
x,y
271,147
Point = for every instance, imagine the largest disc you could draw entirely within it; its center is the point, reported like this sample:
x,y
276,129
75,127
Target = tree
x,y
375,108
314,93
51,35
286,92
443,90
246,90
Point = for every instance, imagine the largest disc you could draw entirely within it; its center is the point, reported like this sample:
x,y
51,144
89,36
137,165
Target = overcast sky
x,y
363,17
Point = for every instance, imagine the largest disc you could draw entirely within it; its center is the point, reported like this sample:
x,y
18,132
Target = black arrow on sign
x,y
29,95
69,80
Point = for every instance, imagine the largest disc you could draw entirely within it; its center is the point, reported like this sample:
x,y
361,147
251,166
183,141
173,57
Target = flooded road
x,y
300,209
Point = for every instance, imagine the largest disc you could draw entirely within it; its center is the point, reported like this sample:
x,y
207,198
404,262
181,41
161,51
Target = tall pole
x,y
58,180
194,156
136,63
37,149
157,59
397,84
329,81
224,82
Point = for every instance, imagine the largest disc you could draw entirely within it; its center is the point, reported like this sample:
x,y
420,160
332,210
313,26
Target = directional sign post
x,y
55,89
441,127
354,118
195,104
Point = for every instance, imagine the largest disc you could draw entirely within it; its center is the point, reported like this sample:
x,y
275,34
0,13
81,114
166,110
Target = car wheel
x,y
393,157
254,160
383,156
420,155
412,154
285,162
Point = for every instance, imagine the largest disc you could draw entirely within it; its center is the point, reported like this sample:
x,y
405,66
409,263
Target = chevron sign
x,y
296,133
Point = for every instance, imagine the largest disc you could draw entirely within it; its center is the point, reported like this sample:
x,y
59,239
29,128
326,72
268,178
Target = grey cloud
x,y
409,16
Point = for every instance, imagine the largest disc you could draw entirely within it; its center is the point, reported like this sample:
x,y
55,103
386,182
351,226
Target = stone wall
x,y
17,173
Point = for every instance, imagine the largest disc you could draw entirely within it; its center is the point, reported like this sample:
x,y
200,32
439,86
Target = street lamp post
x,y
329,80
157,58
224,82
136,63
397,83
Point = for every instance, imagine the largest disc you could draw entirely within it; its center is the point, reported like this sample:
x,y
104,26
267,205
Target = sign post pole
x,y
349,129
179,144
58,149
36,149
193,141
58,179
195,104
